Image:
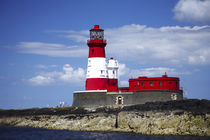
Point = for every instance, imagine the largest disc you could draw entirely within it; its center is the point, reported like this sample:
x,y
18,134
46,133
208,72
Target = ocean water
x,y
27,133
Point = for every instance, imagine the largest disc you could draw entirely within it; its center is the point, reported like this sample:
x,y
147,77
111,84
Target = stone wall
x,y
93,99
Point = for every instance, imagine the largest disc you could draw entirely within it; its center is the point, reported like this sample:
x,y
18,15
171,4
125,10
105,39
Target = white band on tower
x,y
97,68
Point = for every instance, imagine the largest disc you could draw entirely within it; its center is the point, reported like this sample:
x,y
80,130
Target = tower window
x,y
151,84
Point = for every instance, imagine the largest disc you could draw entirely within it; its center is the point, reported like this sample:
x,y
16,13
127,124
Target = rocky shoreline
x,y
185,117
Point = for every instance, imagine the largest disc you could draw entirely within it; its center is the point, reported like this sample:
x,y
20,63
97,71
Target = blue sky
x,y
43,51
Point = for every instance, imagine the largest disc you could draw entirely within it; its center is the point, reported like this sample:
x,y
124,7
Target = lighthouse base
x,y
103,98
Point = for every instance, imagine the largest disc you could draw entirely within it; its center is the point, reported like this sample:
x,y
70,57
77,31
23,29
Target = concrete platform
x,y
104,98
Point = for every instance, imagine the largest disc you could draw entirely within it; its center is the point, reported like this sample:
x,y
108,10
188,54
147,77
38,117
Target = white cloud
x,y
193,10
40,66
156,71
71,75
123,70
77,76
67,75
78,36
49,49
170,45
125,73
41,80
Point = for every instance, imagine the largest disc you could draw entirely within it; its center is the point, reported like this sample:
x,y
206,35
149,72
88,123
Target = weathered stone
x,y
169,119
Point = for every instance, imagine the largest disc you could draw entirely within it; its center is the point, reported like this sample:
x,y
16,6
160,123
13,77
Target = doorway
x,y
119,100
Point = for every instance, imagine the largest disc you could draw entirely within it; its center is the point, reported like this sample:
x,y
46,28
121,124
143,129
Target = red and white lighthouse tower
x,y
97,74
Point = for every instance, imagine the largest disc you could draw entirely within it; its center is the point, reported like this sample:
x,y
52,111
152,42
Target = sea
x,y
28,133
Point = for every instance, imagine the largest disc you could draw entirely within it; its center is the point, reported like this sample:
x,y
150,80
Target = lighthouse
x,y
101,88
97,73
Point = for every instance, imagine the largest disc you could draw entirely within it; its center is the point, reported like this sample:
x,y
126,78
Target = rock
x,y
161,118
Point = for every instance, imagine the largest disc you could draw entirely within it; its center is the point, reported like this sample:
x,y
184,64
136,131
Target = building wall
x,y
94,99
155,83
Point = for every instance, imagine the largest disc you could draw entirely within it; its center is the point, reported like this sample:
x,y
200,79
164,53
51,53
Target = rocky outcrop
x,y
161,123
188,117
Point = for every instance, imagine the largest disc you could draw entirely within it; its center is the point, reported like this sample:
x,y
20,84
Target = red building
x,y
154,83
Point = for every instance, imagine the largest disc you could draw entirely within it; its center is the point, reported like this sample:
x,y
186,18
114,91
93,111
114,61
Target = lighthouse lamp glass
x,y
96,34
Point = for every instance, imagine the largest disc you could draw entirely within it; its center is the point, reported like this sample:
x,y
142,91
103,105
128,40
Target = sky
x,y
43,50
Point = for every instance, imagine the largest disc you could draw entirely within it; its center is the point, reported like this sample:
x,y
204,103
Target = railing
x,y
121,89
96,41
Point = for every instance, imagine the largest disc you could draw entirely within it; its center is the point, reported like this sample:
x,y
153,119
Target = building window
x,y
92,50
142,84
101,71
151,84
160,84
135,87
113,71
